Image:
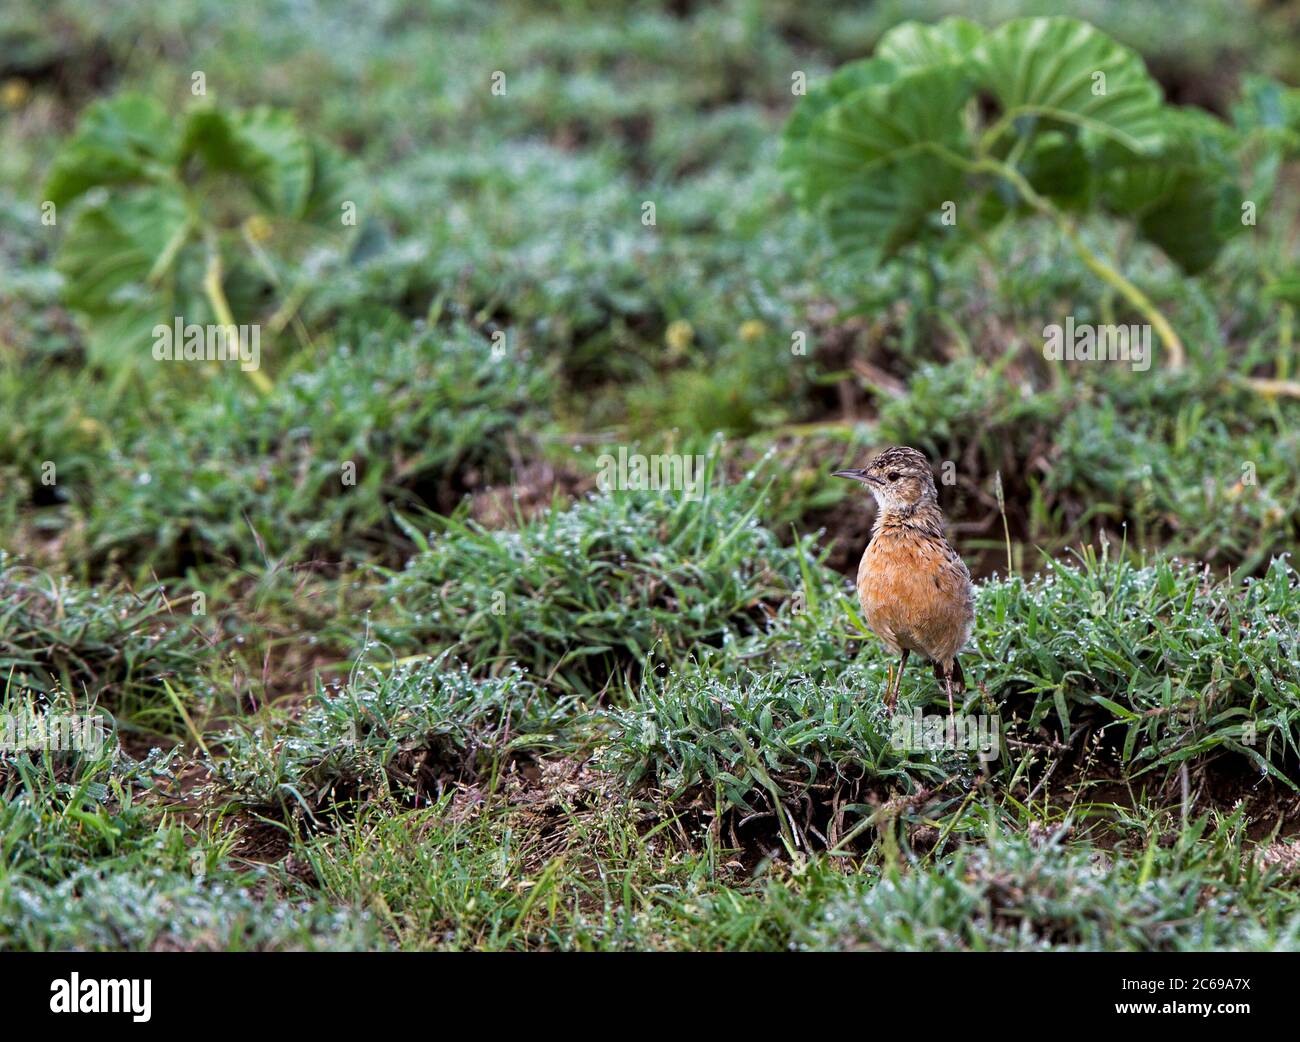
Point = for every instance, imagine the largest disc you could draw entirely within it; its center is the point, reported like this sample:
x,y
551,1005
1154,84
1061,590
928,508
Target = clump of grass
x,y
1024,891
40,431
1111,449
442,879
728,259
576,875
1158,665
408,730
1169,664
121,906
88,861
66,802
508,241
580,597
812,761
36,339
399,420
109,646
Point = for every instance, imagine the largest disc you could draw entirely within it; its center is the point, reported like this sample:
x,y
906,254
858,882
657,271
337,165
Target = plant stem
x,y
1265,386
221,308
1098,266
1095,263
1285,333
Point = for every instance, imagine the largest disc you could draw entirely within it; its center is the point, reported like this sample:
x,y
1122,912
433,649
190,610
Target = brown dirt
x,y
535,485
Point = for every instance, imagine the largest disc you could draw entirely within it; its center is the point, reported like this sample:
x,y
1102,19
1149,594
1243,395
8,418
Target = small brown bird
x,y
914,589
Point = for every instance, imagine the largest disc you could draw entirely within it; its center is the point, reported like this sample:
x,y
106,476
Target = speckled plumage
x,y
914,588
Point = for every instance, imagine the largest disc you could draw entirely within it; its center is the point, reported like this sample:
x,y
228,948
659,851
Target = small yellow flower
x,y
14,92
258,228
678,336
751,330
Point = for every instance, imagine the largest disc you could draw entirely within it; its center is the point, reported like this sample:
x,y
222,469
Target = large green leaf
x,y
284,178
262,147
1267,116
334,180
916,45
914,117
1195,143
875,158
886,142
878,215
1194,221
137,252
121,140
847,80
905,48
1057,166
1185,199
1048,68
118,260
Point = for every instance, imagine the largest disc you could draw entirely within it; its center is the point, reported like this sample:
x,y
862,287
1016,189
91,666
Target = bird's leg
x,y
947,680
892,696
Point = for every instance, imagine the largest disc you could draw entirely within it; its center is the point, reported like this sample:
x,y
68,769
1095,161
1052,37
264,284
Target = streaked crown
x,y
899,477
902,459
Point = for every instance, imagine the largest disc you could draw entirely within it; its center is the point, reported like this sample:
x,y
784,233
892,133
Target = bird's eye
x,y
893,475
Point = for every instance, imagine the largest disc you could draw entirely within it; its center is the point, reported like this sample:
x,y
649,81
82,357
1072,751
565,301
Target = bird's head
x,y
900,478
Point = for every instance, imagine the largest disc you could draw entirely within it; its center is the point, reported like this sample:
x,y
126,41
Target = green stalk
x,y
221,308
1112,277
1285,337
1095,263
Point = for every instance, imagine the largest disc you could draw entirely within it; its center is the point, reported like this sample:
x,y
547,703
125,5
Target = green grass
x,y
492,880
582,596
105,645
1111,670
386,420
471,701
1204,891
803,761
1119,451
89,860
415,731
1168,665
1161,663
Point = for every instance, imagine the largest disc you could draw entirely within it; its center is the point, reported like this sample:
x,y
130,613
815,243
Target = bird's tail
x,y
958,680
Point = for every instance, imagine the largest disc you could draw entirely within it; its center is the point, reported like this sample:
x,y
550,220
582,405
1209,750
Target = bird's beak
x,y
856,475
